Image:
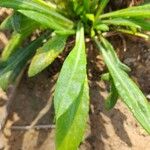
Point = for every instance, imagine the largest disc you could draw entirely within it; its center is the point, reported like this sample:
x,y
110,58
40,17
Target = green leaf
x,y
112,98
136,11
23,24
90,17
101,27
71,125
105,77
17,39
121,22
71,77
23,27
10,69
43,19
19,23
86,4
41,7
13,44
143,23
115,57
16,19
102,5
65,32
94,5
6,24
65,6
47,54
127,89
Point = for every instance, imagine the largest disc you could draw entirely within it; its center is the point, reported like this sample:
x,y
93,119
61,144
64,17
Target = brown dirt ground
x,y
116,129
113,130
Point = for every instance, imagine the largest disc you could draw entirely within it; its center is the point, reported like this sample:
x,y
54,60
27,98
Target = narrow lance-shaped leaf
x,y
10,69
39,7
71,125
121,22
23,29
111,100
86,4
71,77
115,57
6,24
47,54
143,23
93,5
127,89
44,20
136,11
102,5
101,27
24,22
13,44
15,21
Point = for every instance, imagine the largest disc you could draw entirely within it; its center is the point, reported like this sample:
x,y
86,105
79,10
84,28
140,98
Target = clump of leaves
x,y
58,20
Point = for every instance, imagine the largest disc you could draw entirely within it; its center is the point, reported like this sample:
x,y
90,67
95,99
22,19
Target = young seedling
x,y
58,20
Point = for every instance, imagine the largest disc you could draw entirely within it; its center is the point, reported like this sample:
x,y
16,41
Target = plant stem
x,y
146,37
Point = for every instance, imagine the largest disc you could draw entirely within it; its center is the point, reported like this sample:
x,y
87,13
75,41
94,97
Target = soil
x,y
106,130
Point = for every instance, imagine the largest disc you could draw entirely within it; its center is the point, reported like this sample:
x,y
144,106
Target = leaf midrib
x,y
79,48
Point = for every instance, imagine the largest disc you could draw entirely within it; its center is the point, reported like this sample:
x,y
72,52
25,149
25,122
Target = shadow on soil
x,y
28,104
98,124
33,94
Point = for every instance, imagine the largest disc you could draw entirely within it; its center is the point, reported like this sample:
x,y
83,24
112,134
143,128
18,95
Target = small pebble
x,y
148,96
